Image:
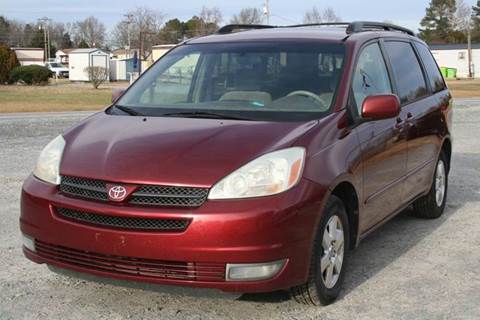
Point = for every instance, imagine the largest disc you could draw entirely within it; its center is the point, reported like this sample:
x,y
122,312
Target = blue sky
x,y
406,12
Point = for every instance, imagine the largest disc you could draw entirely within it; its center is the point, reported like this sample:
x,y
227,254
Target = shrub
x,y
31,75
8,61
97,75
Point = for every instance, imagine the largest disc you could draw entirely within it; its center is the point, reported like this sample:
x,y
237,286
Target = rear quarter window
x,y
435,77
407,72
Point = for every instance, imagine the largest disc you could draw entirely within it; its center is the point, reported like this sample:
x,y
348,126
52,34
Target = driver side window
x,y
371,76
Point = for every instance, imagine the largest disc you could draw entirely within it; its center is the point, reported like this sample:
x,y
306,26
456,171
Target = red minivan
x,y
251,160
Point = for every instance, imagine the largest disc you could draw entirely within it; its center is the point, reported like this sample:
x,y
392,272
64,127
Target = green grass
x,y
62,97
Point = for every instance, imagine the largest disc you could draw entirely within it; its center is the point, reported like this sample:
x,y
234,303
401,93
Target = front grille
x,y
84,188
145,195
172,225
147,268
169,196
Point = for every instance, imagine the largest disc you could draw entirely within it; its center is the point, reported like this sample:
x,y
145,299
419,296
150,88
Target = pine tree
x,y
438,21
38,39
66,41
83,44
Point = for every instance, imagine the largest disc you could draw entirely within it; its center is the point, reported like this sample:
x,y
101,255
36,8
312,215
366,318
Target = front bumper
x,y
258,230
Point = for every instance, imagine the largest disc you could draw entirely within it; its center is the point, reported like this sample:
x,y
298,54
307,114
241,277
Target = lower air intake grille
x,y
145,268
172,225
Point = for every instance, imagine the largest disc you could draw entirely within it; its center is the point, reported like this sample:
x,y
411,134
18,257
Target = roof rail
x,y
359,26
352,27
346,24
240,27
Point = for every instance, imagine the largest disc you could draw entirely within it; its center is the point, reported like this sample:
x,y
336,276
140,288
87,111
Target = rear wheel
x,y
329,256
432,205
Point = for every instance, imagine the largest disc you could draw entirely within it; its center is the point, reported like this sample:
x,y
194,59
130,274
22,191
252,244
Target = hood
x,y
170,151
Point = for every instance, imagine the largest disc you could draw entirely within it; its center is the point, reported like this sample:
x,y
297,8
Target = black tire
x,y
315,292
427,206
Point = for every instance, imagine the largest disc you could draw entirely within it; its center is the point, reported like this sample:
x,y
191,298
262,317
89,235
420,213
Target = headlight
x,y
267,175
48,163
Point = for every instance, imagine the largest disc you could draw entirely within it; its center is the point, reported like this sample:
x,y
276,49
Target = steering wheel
x,y
308,94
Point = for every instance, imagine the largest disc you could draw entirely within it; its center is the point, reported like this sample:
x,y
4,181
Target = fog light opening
x,y
28,243
253,271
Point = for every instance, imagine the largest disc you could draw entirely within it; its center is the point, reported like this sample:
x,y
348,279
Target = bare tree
x,y
143,24
314,15
248,16
97,75
91,30
211,19
462,18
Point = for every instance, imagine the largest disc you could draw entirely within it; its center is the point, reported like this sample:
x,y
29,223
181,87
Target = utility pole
x,y
266,11
469,37
129,22
46,37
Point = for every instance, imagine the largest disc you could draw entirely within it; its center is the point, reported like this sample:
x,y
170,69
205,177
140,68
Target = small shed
x,y
120,69
80,59
29,56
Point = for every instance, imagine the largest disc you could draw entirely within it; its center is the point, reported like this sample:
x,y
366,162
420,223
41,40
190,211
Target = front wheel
x,y
432,205
329,256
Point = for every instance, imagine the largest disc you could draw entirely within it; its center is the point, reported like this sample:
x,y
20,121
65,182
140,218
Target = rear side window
x,y
371,75
406,71
434,75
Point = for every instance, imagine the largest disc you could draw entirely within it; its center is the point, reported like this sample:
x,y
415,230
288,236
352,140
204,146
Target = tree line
x,y
445,21
141,27
450,21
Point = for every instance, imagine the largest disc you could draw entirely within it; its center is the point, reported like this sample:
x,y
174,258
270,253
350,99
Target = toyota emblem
x,y
117,193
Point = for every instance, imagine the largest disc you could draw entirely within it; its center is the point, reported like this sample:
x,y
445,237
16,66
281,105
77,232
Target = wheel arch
x,y
347,193
447,150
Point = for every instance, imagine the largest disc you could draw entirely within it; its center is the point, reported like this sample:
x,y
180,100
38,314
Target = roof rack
x,y
352,27
359,26
242,27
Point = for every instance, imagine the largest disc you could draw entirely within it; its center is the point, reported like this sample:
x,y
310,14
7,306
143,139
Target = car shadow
x,y
399,235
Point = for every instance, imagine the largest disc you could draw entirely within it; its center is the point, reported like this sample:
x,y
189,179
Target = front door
x,y
383,142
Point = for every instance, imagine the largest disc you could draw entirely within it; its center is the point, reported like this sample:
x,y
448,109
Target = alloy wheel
x,y
333,245
440,183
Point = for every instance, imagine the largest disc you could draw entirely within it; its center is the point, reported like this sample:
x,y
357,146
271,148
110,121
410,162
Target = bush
x,y
8,61
31,75
97,75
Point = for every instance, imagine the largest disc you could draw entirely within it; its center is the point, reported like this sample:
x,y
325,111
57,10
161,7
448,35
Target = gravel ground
x,y
409,269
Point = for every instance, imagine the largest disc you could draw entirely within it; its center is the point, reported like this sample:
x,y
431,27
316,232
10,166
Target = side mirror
x,y
378,107
117,93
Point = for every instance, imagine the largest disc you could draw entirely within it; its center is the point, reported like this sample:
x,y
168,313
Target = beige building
x,y
159,50
29,56
124,53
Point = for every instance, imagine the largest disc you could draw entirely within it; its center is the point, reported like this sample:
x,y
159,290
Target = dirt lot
x,y
464,88
410,269
61,96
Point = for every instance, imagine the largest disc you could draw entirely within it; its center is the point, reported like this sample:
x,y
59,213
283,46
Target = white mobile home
x,y
80,59
456,56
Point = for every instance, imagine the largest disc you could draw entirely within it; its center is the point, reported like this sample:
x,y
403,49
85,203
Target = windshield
x,y
56,65
254,81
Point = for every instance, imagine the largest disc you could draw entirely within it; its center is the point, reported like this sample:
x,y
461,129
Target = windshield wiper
x,y
202,114
128,110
